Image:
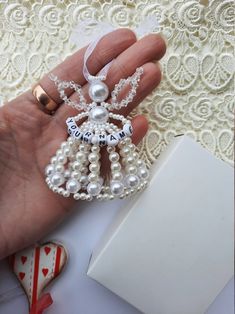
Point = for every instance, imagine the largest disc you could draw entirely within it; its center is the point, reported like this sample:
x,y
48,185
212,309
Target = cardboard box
x,y
170,251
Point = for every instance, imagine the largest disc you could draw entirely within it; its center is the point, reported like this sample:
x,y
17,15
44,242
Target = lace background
x,y
196,95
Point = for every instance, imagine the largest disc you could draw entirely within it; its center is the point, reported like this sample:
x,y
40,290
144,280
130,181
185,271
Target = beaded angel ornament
x,y
76,169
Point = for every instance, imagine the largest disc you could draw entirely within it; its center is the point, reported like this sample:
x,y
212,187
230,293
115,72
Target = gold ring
x,y
43,99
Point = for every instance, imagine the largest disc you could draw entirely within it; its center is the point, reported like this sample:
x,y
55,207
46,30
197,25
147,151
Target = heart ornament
x,y
35,267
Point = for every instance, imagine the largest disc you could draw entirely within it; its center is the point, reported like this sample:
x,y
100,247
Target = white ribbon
x,y
86,32
103,72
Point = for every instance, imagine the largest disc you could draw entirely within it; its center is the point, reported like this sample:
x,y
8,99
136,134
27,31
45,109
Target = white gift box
x,y
170,250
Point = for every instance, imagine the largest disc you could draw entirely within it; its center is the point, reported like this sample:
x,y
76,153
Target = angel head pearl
x,y
76,168
98,91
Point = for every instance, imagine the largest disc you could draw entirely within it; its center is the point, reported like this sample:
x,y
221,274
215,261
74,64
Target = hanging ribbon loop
x,y
103,72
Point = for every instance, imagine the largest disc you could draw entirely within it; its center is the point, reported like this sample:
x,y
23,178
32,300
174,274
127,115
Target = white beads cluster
x,y
62,85
101,133
133,81
98,91
76,168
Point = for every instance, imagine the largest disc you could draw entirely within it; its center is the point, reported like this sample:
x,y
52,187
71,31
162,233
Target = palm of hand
x,y
29,137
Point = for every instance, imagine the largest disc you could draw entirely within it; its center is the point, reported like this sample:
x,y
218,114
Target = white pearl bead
x,y
88,197
125,151
76,174
64,145
77,165
131,169
130,160
117,187
95,139
139,163
113,157
67,151
67,173
76,196
110,149
117,176
95,149
135,155
57,179
59,152
98,91
94,188
94,167
115,166
105,196
127,141
84,169
93,177
73,186
61,159
66,193
82,147
93,157
143,173
80,156
84,179
60,191
132,181
59,168
99,114
49,170
54,160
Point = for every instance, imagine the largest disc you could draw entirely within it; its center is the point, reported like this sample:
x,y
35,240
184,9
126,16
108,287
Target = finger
x,y
109,47
140,128
149,48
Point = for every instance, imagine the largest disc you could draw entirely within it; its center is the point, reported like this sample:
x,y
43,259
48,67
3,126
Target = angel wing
x,y
133,82
62,85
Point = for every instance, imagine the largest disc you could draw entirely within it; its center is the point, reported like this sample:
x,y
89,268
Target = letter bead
x,y
102,138
112,140
87,137
121,135
128,129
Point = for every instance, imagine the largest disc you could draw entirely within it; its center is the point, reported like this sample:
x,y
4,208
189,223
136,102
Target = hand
x,y
29,137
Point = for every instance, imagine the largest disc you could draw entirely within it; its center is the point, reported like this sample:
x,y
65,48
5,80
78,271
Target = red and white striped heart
x,y
36,266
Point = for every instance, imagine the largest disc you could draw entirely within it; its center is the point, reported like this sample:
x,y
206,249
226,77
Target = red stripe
x,y
57,261
35,276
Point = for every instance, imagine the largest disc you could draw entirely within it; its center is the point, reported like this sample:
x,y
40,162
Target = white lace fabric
x,y
196,95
